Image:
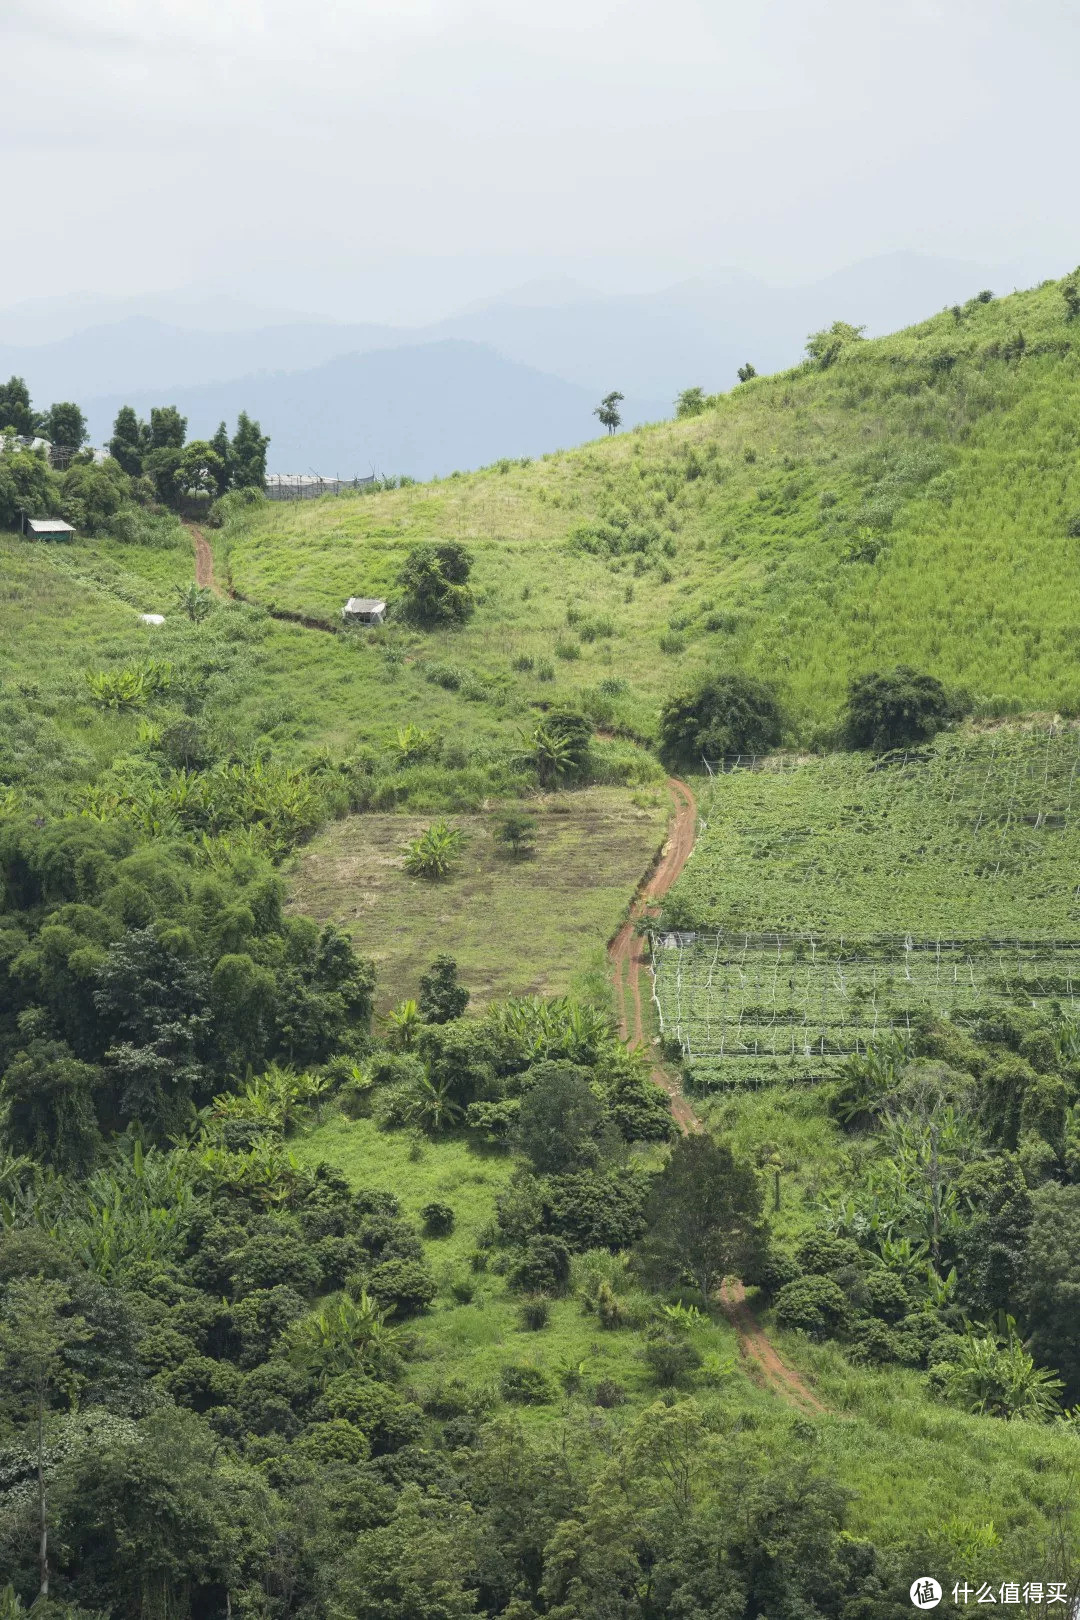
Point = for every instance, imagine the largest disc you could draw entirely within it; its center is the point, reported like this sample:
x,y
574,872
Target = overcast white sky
x,y
388,159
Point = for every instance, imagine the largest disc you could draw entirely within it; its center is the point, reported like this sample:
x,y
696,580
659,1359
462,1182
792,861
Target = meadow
x,y
527,925
912,501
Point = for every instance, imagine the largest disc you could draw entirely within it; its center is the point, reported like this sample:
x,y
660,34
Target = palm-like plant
x,y
428,1103
996,1376
194,600
433,853
402,1025
342,1334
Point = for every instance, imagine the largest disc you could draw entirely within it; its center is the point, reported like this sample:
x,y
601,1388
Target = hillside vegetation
x,y
909,501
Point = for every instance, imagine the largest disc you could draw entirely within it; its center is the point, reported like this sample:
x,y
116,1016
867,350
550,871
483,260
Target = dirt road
x,y
627,955
204,560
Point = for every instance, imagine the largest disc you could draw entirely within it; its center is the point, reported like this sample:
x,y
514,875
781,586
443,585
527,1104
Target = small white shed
x,y
47,529
364,610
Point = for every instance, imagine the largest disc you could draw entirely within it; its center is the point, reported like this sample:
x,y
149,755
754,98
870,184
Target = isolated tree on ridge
x,y
608,410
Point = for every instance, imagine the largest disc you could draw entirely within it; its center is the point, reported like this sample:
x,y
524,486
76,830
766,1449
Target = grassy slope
x,y
532,926
962,478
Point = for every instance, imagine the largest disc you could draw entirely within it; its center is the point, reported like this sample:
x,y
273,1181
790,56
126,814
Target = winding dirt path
x,y
204,560
627,956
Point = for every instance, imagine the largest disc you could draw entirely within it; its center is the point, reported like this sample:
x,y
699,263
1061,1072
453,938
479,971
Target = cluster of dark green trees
x,y
150,463
730,713
955,1247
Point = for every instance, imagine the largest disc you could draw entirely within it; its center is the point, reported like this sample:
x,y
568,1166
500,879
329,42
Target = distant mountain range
x,y
509,376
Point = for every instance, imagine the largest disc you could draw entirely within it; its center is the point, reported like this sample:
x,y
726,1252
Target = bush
x,y
672,642
516,833
874,1342
545,669
885,1296
438,1219
407,1285
526,1386
723,714
544,1268
1072,528
897,707
567,649
822,1253
816,1305
433,854
434,584
534,1314
609,1393
670,1360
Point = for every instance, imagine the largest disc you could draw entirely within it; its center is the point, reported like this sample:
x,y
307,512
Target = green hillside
x,y
911,500
350,1262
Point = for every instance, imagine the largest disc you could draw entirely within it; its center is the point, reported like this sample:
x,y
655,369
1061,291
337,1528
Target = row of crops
x,y
831,900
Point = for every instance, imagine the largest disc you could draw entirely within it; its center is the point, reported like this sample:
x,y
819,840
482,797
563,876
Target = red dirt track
x,y
626,954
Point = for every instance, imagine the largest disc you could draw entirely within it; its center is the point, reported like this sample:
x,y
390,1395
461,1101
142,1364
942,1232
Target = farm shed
x,y
364,610
47,529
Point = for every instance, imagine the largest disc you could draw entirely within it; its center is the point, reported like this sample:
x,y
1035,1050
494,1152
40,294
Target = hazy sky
x,y
387,159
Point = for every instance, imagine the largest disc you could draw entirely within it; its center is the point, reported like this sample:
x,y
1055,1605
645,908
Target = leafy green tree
x,y
558,749
705,1218
130,441
895,708
1051,1280
247,460
15,412
516,833
168,429
745,372
26,483
723,714
608,410
561,1120
691,402
65,425
826,346
200,470
434,584
91,495
47,1106
418,1566
222,448
442,998
37,1335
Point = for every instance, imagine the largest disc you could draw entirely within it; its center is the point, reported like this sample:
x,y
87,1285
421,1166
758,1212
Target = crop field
x,y
831,900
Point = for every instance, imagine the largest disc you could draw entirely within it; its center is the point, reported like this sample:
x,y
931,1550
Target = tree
x,y
434,584
36,1332
745,372
130,441
704,1217
516,832
248,458
47,1097
26,482
561,1119
92,495
442,998
415,1567
608,410
691,402
558,748
897,707
223,449
15,412
1052,1273
826,346
65,425
200,470
723,714
168,429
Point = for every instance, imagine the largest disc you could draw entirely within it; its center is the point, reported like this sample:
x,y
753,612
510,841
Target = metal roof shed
x,y
47,529
364,610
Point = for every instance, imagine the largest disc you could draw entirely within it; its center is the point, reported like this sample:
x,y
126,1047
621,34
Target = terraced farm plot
x,y
831,900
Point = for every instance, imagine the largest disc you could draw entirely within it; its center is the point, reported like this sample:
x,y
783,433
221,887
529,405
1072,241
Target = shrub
x,y
523,663
534,1313
545,669
1072,528
822,1253
432,855
525,1385
816,1305
728,713
434,584
885,1296
544,1268
670,1360
672,642
564,648
448,676
897,707
516,833
438,1219
442,998
609,1393
873,1341
407,1285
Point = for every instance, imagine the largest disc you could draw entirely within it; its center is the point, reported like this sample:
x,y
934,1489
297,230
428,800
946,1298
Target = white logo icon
x,y
925,1592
